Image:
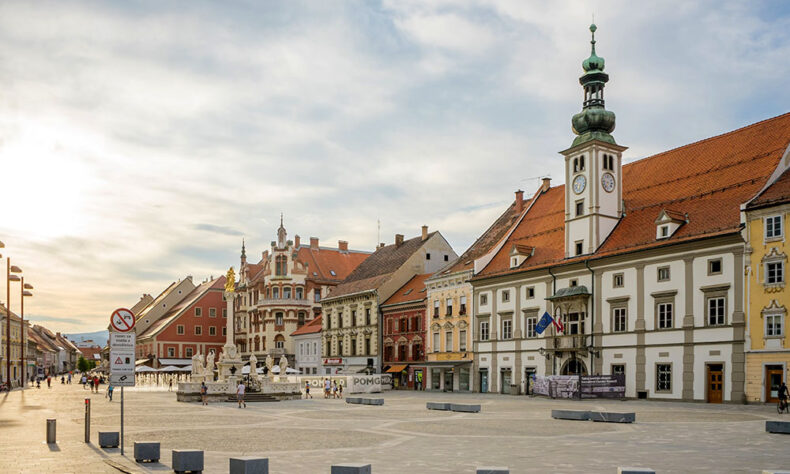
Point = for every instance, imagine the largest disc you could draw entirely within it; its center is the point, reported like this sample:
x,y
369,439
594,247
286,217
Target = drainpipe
x,y
592,316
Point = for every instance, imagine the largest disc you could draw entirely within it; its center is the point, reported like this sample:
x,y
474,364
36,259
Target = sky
x,y
140,142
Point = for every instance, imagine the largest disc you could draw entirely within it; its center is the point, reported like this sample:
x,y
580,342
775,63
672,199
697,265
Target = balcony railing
x,y
283,302
574,342
277,352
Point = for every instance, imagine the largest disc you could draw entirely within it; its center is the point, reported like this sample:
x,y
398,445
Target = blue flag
x,y
543,323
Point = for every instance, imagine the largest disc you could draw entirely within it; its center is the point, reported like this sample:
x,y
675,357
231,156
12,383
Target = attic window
x,y
446,258
315,274
664,231
332,272
407,292
427,256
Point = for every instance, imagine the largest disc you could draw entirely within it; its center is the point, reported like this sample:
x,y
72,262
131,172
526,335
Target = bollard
x,y
87,420
51,424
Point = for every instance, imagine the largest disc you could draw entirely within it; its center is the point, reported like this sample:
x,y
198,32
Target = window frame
x,y
711,261
198,312
212,312
448,338
485,330
773,218
507,328
505,296
615,309
198,330
180,330
667,373
709,298
462,340
530,322
212,330
530,293
781,272
483,299
658,304
621,276
668,275
579,207
773,315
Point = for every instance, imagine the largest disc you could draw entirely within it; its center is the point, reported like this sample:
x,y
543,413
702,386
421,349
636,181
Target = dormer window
x,y
668,222
519,253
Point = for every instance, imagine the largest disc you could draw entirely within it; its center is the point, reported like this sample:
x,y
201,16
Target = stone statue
x,y
269,364
197,364
253,366
283,365
210,363
230,282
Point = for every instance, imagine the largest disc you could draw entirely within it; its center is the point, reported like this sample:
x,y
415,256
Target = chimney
x,y
381,245
189,277
424,232
519,201
297,241
546,185
342,245
314,243
398,240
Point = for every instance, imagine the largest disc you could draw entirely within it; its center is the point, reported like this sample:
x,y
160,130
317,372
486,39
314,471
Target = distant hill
x,y
99,337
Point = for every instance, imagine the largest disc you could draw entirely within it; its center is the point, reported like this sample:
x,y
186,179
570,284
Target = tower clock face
x,y
607,181
579,183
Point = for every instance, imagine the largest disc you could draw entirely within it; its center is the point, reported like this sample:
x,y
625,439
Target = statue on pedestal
x,y
253,367
269,365
197,364
283,365
210,364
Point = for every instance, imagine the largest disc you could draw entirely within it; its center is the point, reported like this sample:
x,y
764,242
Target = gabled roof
x,y
156,301
312,327
413,290
708,180
323,262
775,194
185,303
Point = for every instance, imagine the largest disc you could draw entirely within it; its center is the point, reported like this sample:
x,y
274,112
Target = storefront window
x,y
463,380
435,379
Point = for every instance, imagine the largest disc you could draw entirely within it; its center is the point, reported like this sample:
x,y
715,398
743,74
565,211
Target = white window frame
x,y
671,306
507,329
505,296
620,313
668,276
448,341
717,303
462,340
485,333
781,272
529,324
774,315
770,230
668,381
436,342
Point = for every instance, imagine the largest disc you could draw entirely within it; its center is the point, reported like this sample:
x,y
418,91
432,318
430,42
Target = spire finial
x,y
592,30
281,219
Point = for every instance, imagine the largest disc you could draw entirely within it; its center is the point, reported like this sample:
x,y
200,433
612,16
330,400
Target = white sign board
x,y
122,320
122,359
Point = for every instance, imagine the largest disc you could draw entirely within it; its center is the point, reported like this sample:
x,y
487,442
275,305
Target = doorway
x,y
773,380
574,367
448,380
529,373
483,380
715,383
506,377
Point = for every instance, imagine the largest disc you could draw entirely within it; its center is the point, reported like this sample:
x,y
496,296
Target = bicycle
x,y
782,407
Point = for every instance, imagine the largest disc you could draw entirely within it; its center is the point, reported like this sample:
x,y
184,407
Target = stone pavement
x,y
308,436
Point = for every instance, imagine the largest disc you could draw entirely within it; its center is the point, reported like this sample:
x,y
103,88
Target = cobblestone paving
x,y
306,436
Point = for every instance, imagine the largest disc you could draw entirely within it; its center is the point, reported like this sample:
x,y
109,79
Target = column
x,y
738,328
688,331
519,339
639,328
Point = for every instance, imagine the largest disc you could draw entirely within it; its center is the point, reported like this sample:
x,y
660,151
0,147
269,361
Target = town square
x,y
396,236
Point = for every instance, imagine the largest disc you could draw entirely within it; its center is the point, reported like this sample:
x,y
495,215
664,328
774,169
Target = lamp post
x,y
22,335
9,278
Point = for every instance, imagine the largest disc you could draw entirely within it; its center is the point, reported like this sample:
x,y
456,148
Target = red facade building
x,y
403,334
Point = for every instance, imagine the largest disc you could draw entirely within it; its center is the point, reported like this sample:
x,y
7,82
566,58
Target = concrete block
x,y
249,465
187,461
146,451
635,470
609,417
354,400
351,469
109,439
465,408
493,470
364,401
437,406
782,427
570,415
375,401
771,471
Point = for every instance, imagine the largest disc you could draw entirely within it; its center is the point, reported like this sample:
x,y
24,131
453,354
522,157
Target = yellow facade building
x,y
16,348
767,297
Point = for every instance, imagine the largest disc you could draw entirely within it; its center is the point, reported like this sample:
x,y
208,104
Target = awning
x,y
395,369
164,361
448,363
141,361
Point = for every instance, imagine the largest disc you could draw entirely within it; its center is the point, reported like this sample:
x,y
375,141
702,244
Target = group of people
x,y
92,381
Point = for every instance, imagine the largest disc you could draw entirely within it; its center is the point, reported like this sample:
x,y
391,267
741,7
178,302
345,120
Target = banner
x,y
557,386
586,386
603,386
544,322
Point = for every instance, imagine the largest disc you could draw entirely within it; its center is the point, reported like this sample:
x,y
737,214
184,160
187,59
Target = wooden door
x,y
715,383
773,380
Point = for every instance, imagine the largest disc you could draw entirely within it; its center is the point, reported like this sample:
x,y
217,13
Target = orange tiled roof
x,y
776,193
413,290
321,262
312,327
708,180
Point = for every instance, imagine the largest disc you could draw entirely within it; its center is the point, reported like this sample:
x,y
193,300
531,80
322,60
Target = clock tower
x,y
593,166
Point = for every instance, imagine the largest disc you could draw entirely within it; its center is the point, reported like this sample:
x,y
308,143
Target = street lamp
x,y
9,278
22,335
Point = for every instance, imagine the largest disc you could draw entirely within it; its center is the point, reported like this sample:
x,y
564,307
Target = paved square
x,y
402,436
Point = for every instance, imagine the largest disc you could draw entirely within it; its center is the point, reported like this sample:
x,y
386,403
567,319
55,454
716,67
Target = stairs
x,y
254,397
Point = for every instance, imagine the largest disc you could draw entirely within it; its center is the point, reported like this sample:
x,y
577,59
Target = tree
x,y
82,364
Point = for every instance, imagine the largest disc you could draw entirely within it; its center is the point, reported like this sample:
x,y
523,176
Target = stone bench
x,y
609,417
577,415
374,401
437,406
782,427
354,400
109,439
492,470
146,451
465,408
187,461
249,465
351,469
635,470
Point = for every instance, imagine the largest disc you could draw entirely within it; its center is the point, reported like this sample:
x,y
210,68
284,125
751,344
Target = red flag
x,y
558,325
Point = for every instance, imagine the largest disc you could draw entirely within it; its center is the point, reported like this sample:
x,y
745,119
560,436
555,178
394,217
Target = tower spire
x,y
281,234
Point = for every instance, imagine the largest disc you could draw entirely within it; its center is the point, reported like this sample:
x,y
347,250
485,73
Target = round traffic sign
x,y
122,320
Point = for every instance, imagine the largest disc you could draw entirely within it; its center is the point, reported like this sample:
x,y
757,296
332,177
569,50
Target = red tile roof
x,y
708,180
777,193
312,327
321,262
413,290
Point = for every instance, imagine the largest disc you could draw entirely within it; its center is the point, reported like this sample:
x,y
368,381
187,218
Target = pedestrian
x,y
68,380
49,381
96,383
334,389
62,380
170,388
327,384
240,394
203,393
110,388
82,381
340,390
307,390
38,383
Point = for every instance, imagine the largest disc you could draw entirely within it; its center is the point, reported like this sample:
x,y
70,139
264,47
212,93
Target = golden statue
x,y
230,282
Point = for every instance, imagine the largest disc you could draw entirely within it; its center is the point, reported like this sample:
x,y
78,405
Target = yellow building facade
x,y
16,349
767,296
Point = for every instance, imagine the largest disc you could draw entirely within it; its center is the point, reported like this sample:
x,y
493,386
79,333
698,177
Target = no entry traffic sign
x,y
122,320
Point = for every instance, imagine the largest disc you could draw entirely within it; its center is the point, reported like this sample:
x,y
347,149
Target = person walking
x,y
83,380
340,390
170,387
68,379
110,388
240,394
49,381
307,391
327,386
783,395
96,383
203,393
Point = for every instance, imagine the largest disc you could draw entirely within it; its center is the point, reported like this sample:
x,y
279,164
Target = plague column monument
x,y
230,362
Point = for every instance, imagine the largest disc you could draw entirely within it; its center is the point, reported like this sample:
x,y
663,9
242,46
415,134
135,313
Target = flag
x,y
544,322
558,325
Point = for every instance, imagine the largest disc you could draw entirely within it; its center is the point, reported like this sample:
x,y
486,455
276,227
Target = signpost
x,y
122,345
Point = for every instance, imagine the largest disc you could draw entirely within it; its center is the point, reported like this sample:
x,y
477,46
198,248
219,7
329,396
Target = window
x,y
278,319
663,378
578,164
462,341
198,330
224,331
276,292
773,227
281,262
774,326
367,317
462,309
505,296
664,231
329,321
618,369
483,330
436,308
436,347
483,299
427,256
617,280
574,282
714,266
580,208
449,307
448,341
619,319
299,293
212,330
180,330
579,247
665,316
530,324
317,295
224,312
530,292
300,319
507,329
279,344
663,274
198,312
212,312
353,317
774,273
188,352
608,162
171,352
716,311
446,258
287,293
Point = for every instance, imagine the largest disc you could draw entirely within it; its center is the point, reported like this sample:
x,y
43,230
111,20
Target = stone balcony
x,y
570,343
279,302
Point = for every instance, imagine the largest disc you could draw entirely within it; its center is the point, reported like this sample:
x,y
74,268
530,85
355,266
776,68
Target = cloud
x,y
219,229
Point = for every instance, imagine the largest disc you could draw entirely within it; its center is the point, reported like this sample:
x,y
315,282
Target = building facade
x,y
307,347
403,334
17,337
351,335
768,344
643,264
283,292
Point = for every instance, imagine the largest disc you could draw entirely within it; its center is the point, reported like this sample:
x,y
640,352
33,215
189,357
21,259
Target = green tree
x,y
83,365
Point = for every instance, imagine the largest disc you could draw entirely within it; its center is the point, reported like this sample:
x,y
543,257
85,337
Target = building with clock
x,y
643,263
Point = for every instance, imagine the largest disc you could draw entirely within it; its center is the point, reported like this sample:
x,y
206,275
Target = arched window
x,y
276,292
287,292
278,319
299,293
300,318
